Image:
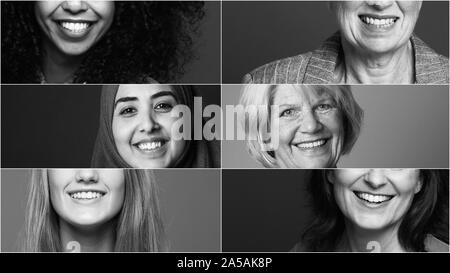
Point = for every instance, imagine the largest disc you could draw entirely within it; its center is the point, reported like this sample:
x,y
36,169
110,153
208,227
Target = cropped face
x,y
86,197
142,126
73,27
376,27
311,130
375,199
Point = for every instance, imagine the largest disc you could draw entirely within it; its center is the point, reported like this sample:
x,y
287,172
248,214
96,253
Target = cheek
x,y
287,131
122,131
333,123
106,9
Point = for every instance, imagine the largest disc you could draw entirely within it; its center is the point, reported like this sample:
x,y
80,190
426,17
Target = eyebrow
x,y
154,96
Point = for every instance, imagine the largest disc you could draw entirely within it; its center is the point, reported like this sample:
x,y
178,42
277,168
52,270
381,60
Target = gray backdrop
x,y
206,67
258,32
190,202
404,126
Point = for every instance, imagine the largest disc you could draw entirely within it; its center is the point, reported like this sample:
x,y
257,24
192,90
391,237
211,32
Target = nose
x,y
74,6
380,5
309,123
86,176
148,124
375,178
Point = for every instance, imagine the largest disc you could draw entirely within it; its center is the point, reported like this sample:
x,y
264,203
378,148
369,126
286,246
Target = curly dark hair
x,y
146,39
428,213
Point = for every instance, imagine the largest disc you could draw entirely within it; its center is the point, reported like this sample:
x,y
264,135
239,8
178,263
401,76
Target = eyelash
x,y
318,108
160,108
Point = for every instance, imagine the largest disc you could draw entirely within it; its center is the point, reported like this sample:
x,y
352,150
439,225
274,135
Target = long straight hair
x,y
139,225
428,214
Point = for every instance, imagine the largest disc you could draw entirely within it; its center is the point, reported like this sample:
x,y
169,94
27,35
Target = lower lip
x,y
374,28
75,35
154,153
372,205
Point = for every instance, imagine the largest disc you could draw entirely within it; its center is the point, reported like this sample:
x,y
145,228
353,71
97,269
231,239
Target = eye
x,y
163,107
127,111
323,108
289,113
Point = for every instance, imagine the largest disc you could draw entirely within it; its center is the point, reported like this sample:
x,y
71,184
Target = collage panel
x,y
325,42
110,42
110,126
106,210
327,126
335,210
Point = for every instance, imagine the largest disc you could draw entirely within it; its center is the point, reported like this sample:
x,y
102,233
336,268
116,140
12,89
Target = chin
x,y
373,223
73,50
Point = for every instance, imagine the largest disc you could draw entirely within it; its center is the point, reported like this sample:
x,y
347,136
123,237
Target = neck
x,y
383,68
59,67
95,239
356,239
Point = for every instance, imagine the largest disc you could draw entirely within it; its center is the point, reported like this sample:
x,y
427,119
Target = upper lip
x,y
378,16
375,193
86,190
153,139
311,140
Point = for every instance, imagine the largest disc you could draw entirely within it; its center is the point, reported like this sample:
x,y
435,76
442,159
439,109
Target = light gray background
x,y
258,32
190,202
404,126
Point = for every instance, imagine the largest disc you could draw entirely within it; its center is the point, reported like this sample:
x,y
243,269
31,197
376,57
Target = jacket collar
x,y
322,63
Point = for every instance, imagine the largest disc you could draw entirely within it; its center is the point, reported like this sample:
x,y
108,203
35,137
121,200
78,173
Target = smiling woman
x,y
93,210
97,41
311,125
382,210
140,128
375,44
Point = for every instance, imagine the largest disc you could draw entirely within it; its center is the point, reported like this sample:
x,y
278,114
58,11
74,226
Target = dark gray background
x,y
190,202
46,126
404,126
258,32
206,67
263,210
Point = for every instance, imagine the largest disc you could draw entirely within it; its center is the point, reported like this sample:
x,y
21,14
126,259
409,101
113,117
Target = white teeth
x,y
150,145
86,195
372,198
310,145
75,27
379,23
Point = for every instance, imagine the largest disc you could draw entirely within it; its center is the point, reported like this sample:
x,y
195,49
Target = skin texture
x,y
367,222
376,55
144,113
307,115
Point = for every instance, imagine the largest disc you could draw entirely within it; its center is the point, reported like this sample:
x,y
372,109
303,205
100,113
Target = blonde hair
x,y
263,94
139,224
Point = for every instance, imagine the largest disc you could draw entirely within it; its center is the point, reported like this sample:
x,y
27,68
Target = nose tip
x,y
375,178
148,124
310,124
86,176
74,6
380,4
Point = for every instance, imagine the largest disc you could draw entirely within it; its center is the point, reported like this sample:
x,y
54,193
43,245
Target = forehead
x,y
287,94
143,91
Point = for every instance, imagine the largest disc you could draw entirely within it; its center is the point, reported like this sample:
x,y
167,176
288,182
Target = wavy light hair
x,y
263,94
139,223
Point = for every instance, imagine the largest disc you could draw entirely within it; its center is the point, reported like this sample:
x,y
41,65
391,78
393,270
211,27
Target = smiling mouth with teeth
x,y
86,195
373,198
150,146
378,22
312,144
76,27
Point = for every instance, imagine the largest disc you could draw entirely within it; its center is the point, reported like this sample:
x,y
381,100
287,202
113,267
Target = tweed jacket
x,y
318,66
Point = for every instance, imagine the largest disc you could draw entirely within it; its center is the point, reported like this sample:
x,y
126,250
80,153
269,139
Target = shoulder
x,y
431,67
433,244
287,70
299,247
